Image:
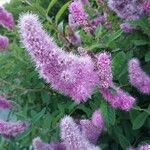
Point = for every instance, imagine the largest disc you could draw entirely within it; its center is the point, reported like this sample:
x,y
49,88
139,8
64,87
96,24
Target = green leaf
x,y
113,37
147,56
38,116
24,134
140,120
143,23
61,11
140,42
108,113
118,63
123,141
98,31
45,97
51,4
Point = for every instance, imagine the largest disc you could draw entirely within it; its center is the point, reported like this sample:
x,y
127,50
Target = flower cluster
x,y
146,6
4,104
141,147
6,19
10,129
73,37
118,99
38,144
70,74
4,41
127,9
72,137
79,15
104,69
82,135
126,27
137,77
91,129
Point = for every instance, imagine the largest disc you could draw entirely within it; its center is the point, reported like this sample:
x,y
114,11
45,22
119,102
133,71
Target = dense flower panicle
x,y
72,137
71,22
108,25
137,77
4,42
74,37
6,19
77,11
97,119
146,6
104,69
127,9
119,99
84,2
141,147
90,131
126,27
4,104
39,145
144,147
69,74
131,148
98,21
11,129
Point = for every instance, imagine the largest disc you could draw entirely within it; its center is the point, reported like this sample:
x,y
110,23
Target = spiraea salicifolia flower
x,y
38,144
91,129
104,69
72,136
118,98
71,22
127,9
97,21
141,147
11,129
84,2
144,147
79,15
70,74
4,103
6,19
146,6
126,27
4,42
137,77
73,37
97,119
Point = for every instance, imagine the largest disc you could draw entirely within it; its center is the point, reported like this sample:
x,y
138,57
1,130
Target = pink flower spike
x,y
6,19
81,18
4,42
70,74
137,77
90,131
104,69
11,129
119,99
72,136
4,104
38,144
97,119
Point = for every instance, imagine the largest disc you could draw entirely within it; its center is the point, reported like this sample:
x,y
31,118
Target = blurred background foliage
x,y
34,100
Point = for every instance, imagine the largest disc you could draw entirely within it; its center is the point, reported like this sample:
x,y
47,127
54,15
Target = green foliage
x,y
42,107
